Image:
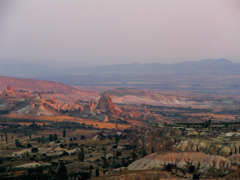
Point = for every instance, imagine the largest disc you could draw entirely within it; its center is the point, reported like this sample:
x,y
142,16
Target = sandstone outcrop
x,y
9,88
91,104
63,106
106,106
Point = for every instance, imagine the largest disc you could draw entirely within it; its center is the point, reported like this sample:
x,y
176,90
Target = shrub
x,y
91,167
1,160
29,145
8,158
62,146
118,153
47,158
169,167
34,150
82,137
3,168
64,154
191,169
196,176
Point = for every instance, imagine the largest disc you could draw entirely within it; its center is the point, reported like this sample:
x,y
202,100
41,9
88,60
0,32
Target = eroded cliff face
x,y
158,138
186,140
64,106
182,160
25,104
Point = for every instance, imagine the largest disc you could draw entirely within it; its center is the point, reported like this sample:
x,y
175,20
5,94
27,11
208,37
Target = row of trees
x,y
53,137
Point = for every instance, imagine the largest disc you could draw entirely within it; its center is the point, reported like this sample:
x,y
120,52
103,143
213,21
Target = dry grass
x,y
74,119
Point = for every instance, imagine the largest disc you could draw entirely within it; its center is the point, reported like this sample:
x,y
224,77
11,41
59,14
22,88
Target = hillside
x,y
36,85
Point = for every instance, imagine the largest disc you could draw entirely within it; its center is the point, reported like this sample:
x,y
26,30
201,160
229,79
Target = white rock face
x,y
181,160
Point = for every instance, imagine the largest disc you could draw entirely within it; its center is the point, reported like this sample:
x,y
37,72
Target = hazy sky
x,y
119,31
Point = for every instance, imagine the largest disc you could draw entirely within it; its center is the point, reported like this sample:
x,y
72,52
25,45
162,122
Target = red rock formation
x,y
92,104
9,88
106,106
52,100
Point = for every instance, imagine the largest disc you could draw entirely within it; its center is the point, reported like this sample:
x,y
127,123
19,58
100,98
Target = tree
x,y
34,150
55,137
123,161
29,145
3,168
44,125
30,135
82,137
62,171
6,137
33,125
50,137
64,133
17,143
43,139
191,169
144,153
81,155
169,167
114,157
97,172
116,139
104,158
134,155
196,176
27,155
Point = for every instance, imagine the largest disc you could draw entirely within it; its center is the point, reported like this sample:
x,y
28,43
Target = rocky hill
x,y
24,103
187,140
36,85
106,106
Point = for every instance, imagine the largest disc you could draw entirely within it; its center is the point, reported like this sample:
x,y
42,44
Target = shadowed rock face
x,y
9,88
106,106
52,100
182,160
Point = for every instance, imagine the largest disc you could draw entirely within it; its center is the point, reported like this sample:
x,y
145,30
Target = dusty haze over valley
x,y
140,89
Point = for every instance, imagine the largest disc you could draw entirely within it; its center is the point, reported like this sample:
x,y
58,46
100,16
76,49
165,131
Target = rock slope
x,y
182,160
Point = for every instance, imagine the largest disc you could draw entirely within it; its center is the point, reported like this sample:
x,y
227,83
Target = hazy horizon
x,y
119,32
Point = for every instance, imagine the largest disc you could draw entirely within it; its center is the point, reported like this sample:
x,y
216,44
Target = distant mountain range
x,y
15,68
210,66
209,75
